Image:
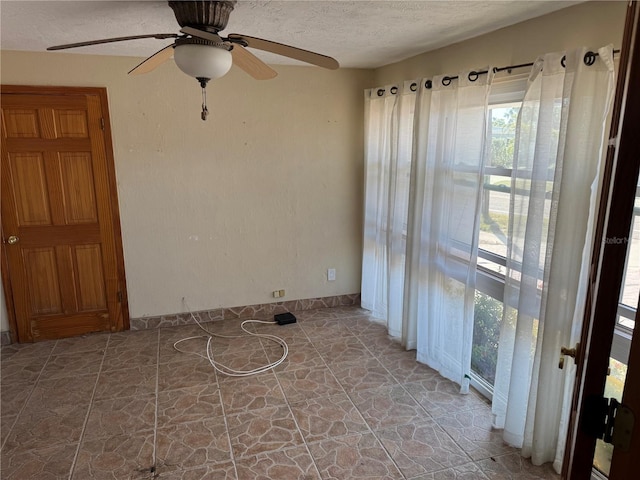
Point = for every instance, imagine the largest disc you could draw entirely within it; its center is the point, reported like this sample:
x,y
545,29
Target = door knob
x,y
12,240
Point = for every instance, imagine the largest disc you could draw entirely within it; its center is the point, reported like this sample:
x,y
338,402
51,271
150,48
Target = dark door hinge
x,y
608,420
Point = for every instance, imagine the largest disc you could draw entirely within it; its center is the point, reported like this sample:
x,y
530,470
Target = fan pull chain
x,y
205,110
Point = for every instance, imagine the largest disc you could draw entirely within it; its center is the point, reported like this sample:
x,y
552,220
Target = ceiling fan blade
x,y
154,61
195,32
251,64
159,36
286,51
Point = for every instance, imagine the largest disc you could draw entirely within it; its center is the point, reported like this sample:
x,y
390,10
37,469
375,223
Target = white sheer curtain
x,y
444,224
559,145
389,132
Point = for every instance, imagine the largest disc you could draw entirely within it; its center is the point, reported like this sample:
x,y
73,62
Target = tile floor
x,y
348,403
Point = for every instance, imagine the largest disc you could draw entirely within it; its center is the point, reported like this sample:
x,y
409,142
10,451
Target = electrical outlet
x,y
276,294
281,293
331,274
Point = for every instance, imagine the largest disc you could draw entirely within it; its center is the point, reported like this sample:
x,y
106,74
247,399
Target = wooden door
x,y
63,268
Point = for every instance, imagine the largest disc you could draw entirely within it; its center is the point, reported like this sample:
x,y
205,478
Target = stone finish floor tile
x,y
405,368
25,369
126,355
353,457
343,349
190,445
307,383
50,462
328,417
19,352
300,355
62,391
95,342
380,344
421,448
472,430
242,360
121,416
130,382
265,430
13,397
42,428
243,394
6,424
290,464
347,403
468,471
115,458
325,329
189,405
440,396
218,471
514,467
388,406
73,364
362,374
192,372
364,325
291,333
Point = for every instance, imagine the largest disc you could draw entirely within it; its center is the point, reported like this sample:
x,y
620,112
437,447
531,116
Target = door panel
x,y
30,185
88,262
59,202
42,278
78,193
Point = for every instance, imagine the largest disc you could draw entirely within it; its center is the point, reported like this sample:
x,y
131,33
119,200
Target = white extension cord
x,y
225,370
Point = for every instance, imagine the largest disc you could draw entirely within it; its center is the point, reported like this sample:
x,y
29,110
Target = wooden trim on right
x,y
613,222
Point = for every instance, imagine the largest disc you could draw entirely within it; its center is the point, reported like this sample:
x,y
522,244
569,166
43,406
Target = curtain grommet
x,y
380,92
393,90
589,58
446,81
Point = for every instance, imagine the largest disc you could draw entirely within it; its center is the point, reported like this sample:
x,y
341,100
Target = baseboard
x,y
5,338
262,311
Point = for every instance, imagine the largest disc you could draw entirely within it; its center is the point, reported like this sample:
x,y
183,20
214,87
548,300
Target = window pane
x,y
631,286
613,389
503,134
494,221
486,332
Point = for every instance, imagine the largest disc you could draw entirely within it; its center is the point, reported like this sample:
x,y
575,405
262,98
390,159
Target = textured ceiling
x,y
361,34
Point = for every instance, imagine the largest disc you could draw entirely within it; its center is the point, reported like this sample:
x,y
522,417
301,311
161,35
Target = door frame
x,y
101,93
607,267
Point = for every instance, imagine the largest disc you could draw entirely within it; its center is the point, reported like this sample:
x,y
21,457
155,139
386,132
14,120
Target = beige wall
x,y
592,24
264,195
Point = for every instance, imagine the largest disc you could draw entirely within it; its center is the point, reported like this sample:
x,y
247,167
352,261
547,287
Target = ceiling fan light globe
x,y
202,61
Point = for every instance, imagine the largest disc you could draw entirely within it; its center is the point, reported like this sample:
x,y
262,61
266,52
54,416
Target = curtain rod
x,y
589,59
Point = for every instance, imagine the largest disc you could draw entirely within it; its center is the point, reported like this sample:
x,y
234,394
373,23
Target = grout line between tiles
x,y
295,421
86,417
24,404
226,424
154,459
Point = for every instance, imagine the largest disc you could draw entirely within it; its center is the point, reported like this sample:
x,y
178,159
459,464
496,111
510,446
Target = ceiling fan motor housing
x,y
206,15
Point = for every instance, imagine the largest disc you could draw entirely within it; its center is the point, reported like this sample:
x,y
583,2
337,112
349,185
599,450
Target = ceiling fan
x,y
200,52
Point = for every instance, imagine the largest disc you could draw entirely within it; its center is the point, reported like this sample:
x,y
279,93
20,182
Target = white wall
x,y
264,195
